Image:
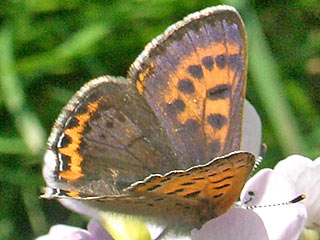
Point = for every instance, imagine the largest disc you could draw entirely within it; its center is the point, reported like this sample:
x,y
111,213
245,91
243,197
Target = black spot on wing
x,y
212,174
65,141
217,121
221,61
65,161
198,178
222,186
218,195
175,191
187,183
223,179
191,125
208,62
192,194
195,71
81,109
221,91
72,122
175,107
153,188
186,86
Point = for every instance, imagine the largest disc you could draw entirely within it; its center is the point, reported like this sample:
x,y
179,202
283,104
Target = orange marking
x,y
142,77
195,102
73,194
75,171
140,86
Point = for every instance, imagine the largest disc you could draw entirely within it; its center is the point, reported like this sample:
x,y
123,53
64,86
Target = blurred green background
x,y
50,48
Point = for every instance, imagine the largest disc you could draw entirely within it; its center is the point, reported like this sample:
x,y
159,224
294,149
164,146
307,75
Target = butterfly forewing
x,y
194,76
106,138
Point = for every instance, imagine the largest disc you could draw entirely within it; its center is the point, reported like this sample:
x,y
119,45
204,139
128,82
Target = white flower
x,y
289,179
267,187
304,175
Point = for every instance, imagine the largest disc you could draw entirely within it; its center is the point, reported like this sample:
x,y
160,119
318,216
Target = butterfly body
x,y
161,144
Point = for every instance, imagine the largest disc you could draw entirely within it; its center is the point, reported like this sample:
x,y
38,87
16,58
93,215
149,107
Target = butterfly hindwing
x,y
217,183
179,199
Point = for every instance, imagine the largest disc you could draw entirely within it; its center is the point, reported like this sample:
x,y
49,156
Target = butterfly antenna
x,y
295,200
260,158
257,163
263,150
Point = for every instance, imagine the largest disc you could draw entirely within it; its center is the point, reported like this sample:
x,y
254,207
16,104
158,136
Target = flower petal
x,y
97,231
236,224
271,188
251,130
79,235
267,188
59,232
304,175
79,207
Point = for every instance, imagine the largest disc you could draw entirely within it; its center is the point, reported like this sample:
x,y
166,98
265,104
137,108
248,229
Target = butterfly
x,y
164,142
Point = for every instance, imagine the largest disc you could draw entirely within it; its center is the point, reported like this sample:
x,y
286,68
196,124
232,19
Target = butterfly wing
x,y
106,138
217,184
194,78
181,200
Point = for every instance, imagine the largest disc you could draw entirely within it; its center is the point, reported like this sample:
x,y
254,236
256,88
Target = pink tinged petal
x,y
79,235
64,232
236,224
59,232
251,130
269,187
304,176
79,207
97,231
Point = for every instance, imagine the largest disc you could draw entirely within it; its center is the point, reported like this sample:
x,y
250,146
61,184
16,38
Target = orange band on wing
x,y
71,150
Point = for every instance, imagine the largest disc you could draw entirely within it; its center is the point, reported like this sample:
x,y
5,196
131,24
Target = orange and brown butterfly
x,y
161,144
